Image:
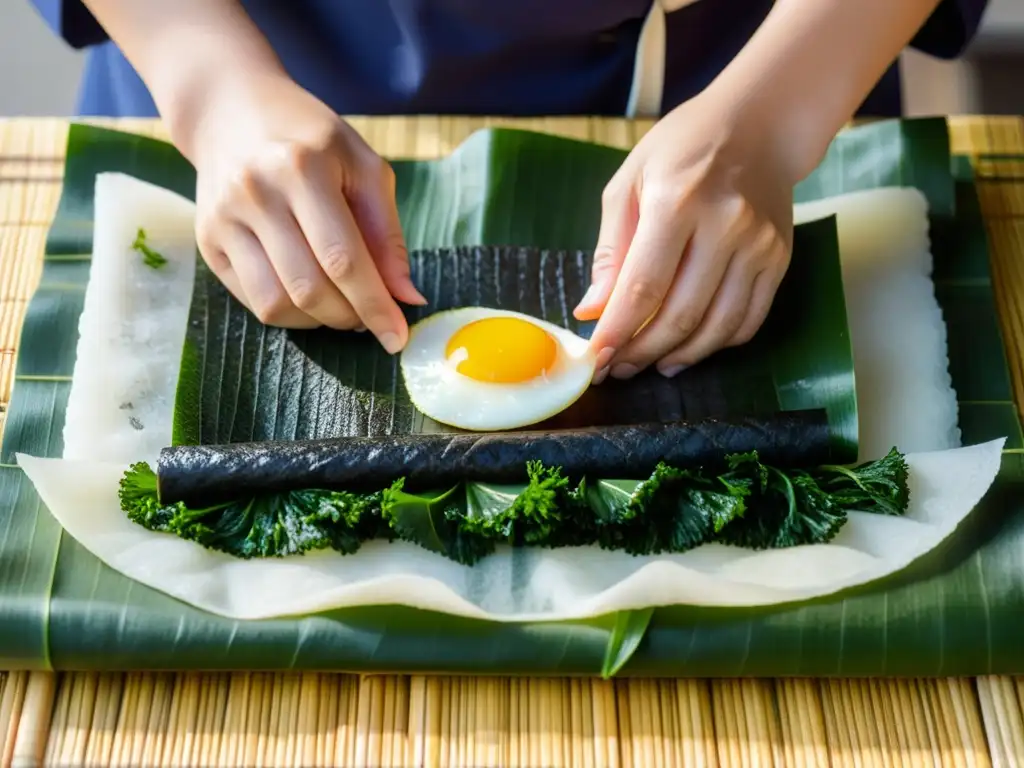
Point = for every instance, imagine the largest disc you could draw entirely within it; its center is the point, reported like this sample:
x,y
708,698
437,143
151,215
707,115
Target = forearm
x,y
182,49
811,64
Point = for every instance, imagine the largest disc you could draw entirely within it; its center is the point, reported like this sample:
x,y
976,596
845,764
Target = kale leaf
x,y
547,512
877,486
266,525
749,504
425,519
672,511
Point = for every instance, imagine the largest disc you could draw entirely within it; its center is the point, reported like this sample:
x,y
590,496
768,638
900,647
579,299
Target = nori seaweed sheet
x,y
245,382
205,475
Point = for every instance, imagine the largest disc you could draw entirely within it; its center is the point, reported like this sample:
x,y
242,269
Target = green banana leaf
x,y
956,613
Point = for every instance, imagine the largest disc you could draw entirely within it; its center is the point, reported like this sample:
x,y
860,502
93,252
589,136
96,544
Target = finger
x,y
647,272
298,271
259,206
619,218
328,225
264,295
376,215
766,285
227,276
219,263
724,317
693,288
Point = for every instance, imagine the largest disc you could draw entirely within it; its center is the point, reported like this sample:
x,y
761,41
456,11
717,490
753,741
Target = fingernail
x,y
601,375
624,371
671,370
360,329
391,342
590,296
604,357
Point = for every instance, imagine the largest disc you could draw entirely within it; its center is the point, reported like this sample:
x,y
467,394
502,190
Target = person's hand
x,y
296,214
696,233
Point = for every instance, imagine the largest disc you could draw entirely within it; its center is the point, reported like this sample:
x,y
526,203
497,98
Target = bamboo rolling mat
x,y
74,719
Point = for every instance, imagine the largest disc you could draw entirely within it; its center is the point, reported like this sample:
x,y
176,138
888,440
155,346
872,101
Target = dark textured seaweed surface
x,y
314,384
209,474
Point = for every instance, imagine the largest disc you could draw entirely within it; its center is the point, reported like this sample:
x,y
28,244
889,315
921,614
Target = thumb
x,y
373,206
619,217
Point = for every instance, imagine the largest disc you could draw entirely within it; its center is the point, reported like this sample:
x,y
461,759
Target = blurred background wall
x,y
988,80
39,74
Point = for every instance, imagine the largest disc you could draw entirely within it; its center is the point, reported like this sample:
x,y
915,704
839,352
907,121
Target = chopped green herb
x,y
149,257
749,504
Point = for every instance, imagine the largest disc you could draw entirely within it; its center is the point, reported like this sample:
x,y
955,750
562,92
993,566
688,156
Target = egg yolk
x,y
502,350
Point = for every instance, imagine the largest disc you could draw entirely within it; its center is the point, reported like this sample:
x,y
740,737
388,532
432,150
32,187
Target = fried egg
x,y
491,369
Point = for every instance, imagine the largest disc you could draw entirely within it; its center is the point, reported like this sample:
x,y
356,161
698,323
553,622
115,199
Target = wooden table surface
x,y
72,719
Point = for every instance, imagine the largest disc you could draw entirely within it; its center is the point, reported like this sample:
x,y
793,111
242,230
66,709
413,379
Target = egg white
x,y
447,396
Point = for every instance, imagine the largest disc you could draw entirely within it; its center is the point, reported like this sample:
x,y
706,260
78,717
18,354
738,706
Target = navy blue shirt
x,y
522,57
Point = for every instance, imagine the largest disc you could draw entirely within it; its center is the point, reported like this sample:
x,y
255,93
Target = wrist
x,y
745,129
190,99
186,52
790,128
218,71
810,65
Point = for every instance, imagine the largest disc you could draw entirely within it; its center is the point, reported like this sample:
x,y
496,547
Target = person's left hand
x,y
696,233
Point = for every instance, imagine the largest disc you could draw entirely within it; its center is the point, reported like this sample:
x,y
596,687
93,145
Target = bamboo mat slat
x,y
135,719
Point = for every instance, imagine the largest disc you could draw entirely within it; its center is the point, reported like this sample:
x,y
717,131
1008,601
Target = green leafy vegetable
x,y
149,257
429,520
548,512
672,511
750,504
261,526
810,507
877,487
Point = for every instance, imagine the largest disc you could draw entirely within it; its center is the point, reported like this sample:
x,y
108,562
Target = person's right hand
x,y
296,214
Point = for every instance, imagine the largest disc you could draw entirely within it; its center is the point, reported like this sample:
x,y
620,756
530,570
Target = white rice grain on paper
x,y
133,323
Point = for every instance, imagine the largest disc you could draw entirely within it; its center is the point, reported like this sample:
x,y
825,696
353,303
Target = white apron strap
x,y
649,70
